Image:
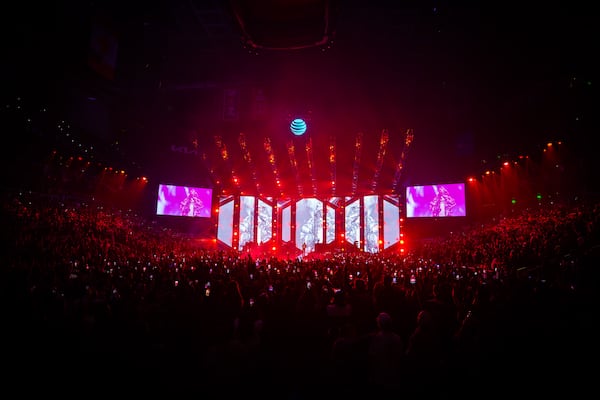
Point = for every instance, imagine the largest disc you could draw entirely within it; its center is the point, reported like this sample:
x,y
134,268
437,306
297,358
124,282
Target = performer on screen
x,y
442,204
192,205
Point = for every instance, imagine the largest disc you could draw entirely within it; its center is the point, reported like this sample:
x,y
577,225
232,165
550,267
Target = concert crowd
x,y
98,299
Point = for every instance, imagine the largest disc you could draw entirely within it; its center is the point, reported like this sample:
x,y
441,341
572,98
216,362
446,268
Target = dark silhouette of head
x,y
384,322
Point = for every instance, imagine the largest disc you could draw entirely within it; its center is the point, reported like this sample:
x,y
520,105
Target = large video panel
x,y
391,225
286,220
371,223
186,201
265,222
330,225
434,201
309,224
225,228
352,222
246,220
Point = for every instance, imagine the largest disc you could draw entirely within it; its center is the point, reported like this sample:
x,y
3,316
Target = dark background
x,y
477,84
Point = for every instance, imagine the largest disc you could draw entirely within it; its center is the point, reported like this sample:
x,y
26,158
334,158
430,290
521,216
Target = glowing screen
x,y
446,200
391,227
246,220
309,223
352,222
186,201
225,229
330,221
371,212
265,222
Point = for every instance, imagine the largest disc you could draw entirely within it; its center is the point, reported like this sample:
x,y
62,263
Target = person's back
x,y
363,313
385,355
444,315
338,313
388,298
476,338
348,357
424,355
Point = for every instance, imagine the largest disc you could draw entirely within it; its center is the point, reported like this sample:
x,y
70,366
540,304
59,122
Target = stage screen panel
x,y
309,224
391,226
352,222
286,221
225,228
186,201
265,222
441,200
371,218
330,221
246,226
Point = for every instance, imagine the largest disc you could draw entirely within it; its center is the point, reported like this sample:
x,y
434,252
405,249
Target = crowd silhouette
x,y
101,299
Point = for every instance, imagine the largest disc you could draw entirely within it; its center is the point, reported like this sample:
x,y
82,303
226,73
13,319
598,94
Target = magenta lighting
x,y
186,201
298,127
441,200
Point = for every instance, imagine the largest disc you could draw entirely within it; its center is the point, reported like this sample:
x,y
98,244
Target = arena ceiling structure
x,y
204,92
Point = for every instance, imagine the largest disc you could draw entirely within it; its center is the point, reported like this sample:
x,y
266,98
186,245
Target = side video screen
x,y
186,201
435,201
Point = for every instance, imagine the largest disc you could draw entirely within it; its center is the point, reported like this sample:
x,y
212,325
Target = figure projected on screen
x,y
311,230
442,204
352,222
264,223
308,233
192,205
371,224
246,227
330,225
371,234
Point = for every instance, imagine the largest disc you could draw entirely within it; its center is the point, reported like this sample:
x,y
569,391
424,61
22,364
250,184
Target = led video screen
x,y
186,201
246,225
371,223
352,225
391,227
264,230
225,231
309,224
442,200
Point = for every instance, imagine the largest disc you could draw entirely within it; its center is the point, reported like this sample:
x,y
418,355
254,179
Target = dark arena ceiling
x,y
203,92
